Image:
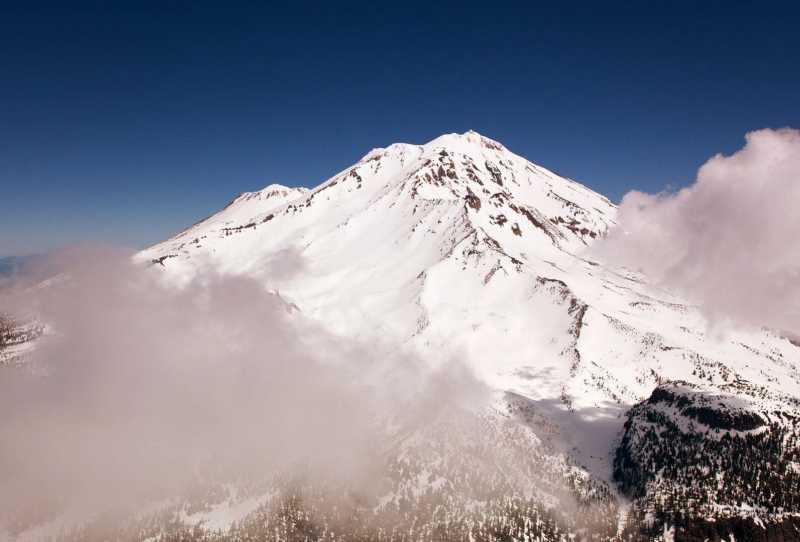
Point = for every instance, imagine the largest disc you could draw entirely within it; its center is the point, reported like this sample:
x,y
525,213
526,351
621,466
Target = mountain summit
x,y
394,215
461,248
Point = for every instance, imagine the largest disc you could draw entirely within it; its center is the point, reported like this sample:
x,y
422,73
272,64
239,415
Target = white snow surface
x,y
459,248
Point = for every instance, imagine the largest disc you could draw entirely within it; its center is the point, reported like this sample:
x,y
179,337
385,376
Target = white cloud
x,y
140,389
730,241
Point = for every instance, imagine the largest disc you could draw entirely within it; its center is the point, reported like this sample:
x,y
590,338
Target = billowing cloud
x,y
138,390
730,240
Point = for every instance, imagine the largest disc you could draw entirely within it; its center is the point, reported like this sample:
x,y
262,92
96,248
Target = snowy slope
x,y
372,232
461,246
461,249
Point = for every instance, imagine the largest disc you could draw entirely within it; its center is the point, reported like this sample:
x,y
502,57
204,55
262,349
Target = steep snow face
x,y
361,241
461,249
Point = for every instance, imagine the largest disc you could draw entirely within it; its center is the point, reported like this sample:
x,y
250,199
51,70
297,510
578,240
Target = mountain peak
x,y
467,143
461,141
457,185
272,191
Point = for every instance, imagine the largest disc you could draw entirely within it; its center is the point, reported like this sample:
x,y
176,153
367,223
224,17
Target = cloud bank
x,y
139,390
730,240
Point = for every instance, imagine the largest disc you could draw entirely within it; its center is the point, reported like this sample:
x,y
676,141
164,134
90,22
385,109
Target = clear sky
x,y
124,123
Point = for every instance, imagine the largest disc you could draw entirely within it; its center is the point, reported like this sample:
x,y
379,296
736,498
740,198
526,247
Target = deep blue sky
x,y
124,123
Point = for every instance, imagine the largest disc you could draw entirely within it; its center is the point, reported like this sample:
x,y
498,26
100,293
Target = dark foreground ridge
x,y
711,466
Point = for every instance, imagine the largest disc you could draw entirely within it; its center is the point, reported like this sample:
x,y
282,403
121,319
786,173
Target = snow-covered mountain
x,y
618,414
461,248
